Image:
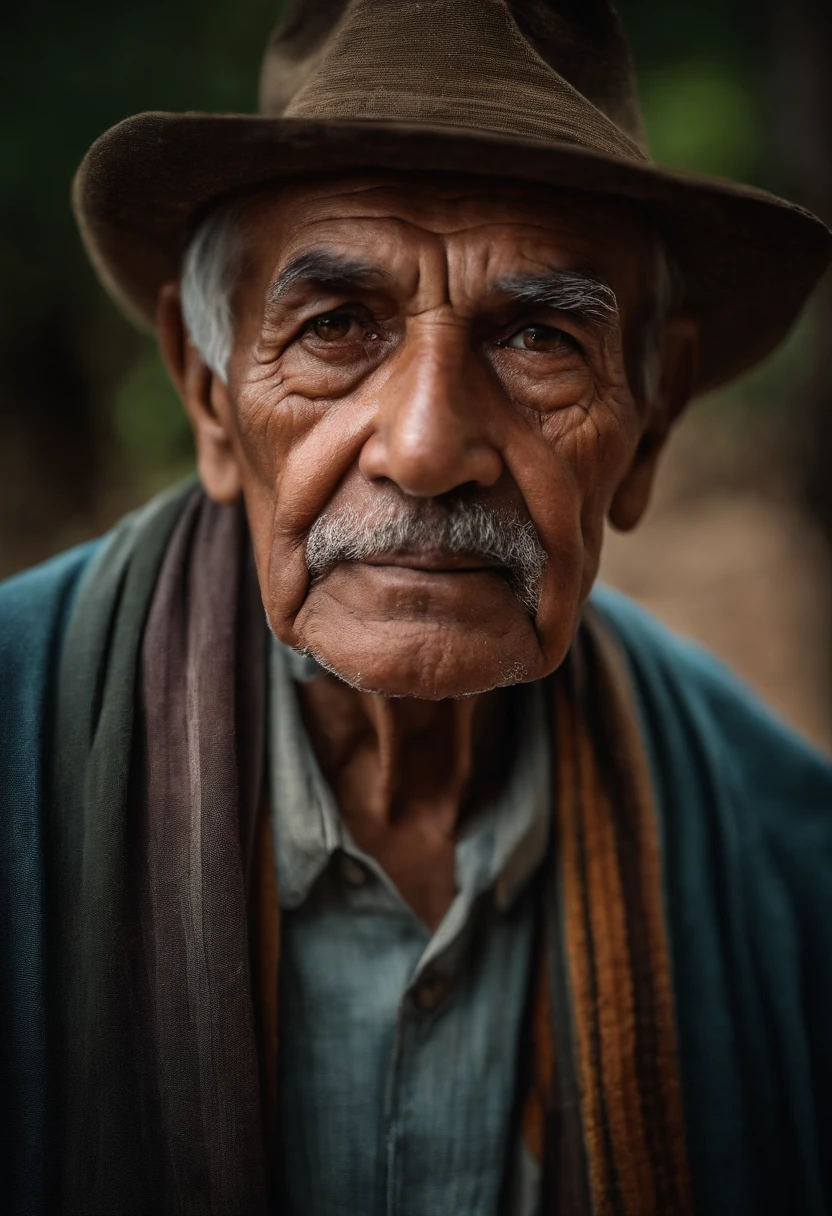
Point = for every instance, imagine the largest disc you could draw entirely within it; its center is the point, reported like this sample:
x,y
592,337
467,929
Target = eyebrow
x,y
327,270
580,292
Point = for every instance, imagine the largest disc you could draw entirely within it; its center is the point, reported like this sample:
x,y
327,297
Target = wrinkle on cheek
x,y
314,376
326,440
265,425
610,368
288,574
542,398
605,438
302,452
589,450
602,454
280,404
597,447
254,414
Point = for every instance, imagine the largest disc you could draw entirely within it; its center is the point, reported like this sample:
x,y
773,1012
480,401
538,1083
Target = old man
x,y
457,889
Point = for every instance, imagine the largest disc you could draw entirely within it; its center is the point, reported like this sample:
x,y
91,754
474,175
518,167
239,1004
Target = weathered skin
x,y
431,384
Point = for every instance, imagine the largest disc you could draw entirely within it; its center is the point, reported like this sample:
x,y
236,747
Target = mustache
x,y
501,537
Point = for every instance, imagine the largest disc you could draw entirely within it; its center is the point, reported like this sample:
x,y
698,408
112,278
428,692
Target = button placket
x,y
431,991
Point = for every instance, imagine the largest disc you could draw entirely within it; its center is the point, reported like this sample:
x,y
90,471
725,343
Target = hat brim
x,y
748,260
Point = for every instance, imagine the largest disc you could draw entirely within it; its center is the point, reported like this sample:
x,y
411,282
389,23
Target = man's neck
x,y
405,774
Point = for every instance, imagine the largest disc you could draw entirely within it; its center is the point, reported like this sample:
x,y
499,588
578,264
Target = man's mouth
x,y
465,540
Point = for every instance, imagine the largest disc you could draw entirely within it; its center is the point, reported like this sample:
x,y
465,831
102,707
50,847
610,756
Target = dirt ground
x,y
735,563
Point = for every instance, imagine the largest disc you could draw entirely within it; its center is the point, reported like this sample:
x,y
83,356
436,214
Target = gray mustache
x,y
470,529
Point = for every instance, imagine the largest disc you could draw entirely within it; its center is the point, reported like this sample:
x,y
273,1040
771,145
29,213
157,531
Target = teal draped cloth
x,y
746,825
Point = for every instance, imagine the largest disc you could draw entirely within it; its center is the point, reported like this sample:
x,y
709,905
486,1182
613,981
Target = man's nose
x,y
432,428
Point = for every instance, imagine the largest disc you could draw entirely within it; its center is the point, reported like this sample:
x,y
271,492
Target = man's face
x,y
397,357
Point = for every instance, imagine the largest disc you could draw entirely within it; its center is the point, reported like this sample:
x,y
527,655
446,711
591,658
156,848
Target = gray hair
x,y
209,272
498,536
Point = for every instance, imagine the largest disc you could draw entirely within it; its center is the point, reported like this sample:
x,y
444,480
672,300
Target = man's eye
x,y
543,338
333,326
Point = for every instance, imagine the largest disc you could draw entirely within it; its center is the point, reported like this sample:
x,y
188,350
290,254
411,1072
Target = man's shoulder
x,y
33,608
691,702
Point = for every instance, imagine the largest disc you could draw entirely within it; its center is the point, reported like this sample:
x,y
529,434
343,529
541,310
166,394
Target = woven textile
x,y
169,935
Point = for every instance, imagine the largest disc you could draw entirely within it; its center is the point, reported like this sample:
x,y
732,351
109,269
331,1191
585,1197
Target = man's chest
x,y
398,1054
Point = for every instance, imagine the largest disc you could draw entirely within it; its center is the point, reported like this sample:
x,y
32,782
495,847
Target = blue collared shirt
x,y
398,1047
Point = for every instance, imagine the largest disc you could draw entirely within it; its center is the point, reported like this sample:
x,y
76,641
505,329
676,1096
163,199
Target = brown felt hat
x,y
533,90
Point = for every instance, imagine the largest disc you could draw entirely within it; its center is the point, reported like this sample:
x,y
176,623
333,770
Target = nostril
x,y
376,477
464,491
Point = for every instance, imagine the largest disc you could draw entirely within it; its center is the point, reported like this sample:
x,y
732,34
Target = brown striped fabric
x,y
200,773
264,914
613,940
164,671
537,1110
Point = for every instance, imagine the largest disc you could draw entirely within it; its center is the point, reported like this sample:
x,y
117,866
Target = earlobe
x,y
205,398
631,499
679,360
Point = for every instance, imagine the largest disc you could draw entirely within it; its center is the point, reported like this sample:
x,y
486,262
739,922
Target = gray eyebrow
x,y
580,292
328,270
575,291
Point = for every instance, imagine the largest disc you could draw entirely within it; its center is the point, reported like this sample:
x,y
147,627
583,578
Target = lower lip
x,y
402,592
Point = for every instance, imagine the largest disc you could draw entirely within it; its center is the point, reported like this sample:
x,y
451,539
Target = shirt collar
x,y
502,847
305,820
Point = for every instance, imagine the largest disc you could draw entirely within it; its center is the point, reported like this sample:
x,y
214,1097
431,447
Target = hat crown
x,y
534,69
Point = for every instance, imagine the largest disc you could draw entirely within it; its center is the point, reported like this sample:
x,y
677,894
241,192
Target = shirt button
x,y
431,992
352,871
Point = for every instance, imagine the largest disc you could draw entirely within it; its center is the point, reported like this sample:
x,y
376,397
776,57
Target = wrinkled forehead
x,y
488,225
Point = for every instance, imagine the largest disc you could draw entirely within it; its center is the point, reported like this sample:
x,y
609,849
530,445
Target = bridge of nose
x,y
432,432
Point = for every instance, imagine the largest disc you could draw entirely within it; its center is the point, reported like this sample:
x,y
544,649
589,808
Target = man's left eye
x,y
543,338
334,326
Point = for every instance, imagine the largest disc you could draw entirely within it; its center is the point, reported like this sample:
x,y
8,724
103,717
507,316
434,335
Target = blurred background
x,y
737,548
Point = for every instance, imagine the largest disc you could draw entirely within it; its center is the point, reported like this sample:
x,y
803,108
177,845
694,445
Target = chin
x,y
431,661
450,673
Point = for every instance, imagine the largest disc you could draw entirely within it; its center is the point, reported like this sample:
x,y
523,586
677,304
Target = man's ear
x,y
205,397
678,360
